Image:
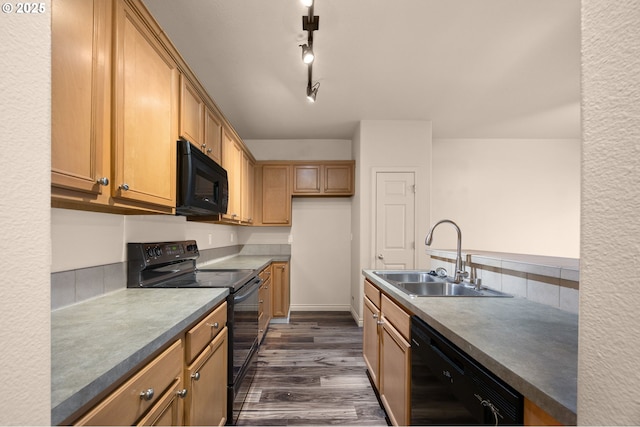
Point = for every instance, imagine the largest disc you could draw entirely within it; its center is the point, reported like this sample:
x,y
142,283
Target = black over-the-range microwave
x,y
202,185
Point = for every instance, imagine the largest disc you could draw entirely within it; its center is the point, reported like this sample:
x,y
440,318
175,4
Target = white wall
x,y
609,342
85,239
321,254
508,195
388,144
25,126
320,234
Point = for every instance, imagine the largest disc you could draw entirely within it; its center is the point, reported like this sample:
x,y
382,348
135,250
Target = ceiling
x,y
475,68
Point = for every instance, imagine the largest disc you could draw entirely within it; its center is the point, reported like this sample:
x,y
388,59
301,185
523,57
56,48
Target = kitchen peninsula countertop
x,y
96,342
531,346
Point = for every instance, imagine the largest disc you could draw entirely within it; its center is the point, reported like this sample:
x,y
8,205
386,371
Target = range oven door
x,y
243,344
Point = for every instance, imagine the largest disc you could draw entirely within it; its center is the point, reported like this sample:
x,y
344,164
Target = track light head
x,y
312,91
307,54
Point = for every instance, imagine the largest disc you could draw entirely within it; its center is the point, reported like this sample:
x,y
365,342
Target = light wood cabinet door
x,y
213,136
395,374
307,179
339,179
146,113
371,340
264,302
280,289
169,411
276,195
206,401
248,167
80,95
536,416
191,113
232,162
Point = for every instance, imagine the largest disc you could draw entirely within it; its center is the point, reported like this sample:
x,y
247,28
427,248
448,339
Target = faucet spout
x,y
460,273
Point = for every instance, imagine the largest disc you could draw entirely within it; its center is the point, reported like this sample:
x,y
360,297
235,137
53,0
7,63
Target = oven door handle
x,y
247,290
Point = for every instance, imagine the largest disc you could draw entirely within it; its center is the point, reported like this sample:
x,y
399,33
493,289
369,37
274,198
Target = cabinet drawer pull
x,y
380,322
215,325
375,316
196,376
147,395
182,393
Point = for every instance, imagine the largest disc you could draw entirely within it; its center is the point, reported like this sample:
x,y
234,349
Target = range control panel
x,y
162,252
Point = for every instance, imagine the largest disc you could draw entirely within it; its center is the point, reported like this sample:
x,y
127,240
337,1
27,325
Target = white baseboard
x,y
323,307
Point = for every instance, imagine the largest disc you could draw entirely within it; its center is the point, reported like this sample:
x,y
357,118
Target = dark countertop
x,y
96,342
531,346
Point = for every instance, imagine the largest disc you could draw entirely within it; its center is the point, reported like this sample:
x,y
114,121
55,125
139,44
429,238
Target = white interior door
x,y
395,220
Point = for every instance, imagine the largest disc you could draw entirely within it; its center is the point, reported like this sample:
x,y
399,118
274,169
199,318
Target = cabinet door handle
x,y
380,256
196,376
182,393
124,187
147,394
375,315
104,181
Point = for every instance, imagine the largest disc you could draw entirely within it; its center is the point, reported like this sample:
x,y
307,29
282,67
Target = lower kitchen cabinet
x,y
152,394
185,385
280,289
264,302
535,416
387,352
206,401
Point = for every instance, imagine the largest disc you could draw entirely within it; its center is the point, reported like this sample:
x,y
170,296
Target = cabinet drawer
x,y
202,334
399,318
372,293
128,403
265,274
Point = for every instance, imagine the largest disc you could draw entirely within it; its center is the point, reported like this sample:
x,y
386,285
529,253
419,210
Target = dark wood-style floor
x,y
311,372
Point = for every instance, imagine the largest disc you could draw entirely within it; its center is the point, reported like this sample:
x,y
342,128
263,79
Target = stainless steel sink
x,y
410,276
422,284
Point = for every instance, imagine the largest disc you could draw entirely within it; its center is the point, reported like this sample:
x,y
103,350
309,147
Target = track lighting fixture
x,y
310,24
307,54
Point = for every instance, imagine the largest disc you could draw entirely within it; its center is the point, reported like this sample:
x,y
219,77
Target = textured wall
x,y
25,126
609,346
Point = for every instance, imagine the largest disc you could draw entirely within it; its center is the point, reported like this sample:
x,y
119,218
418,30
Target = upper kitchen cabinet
x,y
191,113
115,92
146,91
327,178
80,97
239,164
199,124
273,194
212,135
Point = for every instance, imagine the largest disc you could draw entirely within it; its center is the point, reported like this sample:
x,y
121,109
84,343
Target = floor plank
x,y
311,372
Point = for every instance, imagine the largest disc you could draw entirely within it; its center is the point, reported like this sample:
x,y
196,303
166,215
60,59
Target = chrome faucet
x,y
460,273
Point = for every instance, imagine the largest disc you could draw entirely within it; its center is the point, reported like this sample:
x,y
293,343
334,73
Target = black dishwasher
x,y
450,388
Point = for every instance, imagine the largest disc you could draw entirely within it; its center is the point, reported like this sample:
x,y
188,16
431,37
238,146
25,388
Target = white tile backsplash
x,y
546,280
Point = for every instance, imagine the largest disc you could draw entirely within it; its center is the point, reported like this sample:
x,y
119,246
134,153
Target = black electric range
x,y
173,265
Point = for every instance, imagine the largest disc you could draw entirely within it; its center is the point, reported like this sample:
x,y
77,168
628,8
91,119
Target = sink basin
x,y
410,277
422,284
